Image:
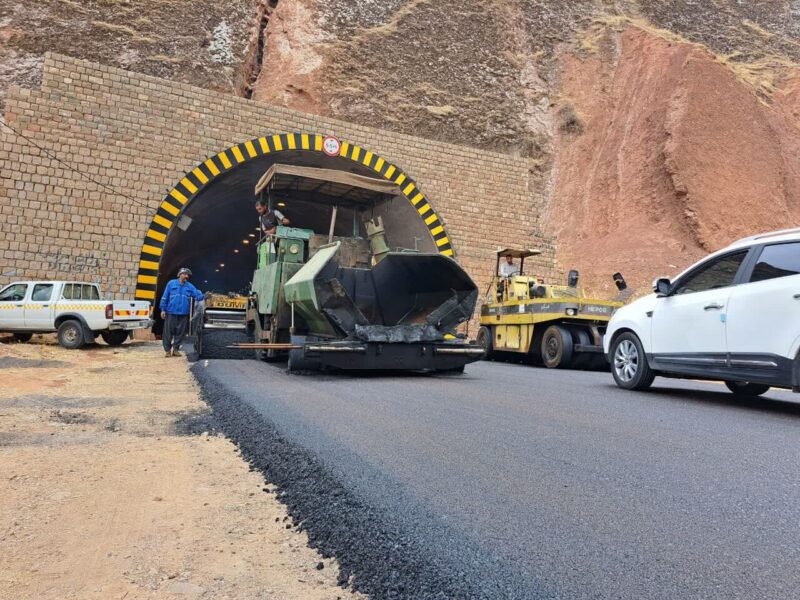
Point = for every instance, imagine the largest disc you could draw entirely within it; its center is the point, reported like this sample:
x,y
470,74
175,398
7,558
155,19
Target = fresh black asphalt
x,y
518,482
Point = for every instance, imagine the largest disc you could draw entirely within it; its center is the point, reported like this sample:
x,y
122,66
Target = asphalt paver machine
x,y
351,302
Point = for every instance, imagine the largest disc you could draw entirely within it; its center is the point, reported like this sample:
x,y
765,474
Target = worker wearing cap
x,y
175,307
269,219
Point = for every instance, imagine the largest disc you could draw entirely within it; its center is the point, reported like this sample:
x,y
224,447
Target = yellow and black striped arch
x,y
204,173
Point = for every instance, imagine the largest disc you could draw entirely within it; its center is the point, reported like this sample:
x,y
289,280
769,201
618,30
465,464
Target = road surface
x,y
533,483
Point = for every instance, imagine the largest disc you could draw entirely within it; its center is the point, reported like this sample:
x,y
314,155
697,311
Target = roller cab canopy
x,y
514,253
325,186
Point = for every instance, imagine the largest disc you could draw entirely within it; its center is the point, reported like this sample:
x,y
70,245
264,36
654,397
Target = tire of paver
x,y
557,347
70,335
115,337
22,337
629,364
744,388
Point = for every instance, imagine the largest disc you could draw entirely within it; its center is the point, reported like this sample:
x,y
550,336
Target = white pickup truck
x,y
75,311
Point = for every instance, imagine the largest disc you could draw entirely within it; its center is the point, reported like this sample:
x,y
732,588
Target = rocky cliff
x,y
656,130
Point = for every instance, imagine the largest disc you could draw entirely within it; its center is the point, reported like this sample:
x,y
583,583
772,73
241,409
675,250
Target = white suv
x,y
733,317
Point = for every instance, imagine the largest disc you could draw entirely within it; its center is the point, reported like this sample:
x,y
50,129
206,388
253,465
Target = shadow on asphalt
x,y
725,399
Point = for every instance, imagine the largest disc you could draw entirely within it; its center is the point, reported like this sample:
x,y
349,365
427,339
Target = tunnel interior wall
x,y
113,143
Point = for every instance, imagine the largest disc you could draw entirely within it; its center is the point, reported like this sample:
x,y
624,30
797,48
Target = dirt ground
x,y
106,493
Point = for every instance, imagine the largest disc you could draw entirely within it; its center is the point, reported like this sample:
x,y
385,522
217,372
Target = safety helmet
x,y
185,270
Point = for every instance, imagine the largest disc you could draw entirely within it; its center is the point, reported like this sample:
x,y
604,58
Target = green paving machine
x,y
328,302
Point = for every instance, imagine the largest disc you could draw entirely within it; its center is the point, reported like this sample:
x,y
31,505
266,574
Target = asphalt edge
x,y
374,555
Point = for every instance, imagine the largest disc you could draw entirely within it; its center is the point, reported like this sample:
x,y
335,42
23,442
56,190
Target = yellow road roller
x,y
524,319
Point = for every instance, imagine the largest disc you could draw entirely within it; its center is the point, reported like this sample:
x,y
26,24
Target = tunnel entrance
x,y
208,221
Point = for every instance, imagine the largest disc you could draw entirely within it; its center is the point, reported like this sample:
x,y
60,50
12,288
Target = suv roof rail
x,y
762,236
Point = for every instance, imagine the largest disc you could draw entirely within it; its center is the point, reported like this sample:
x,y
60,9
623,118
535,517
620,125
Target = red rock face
x,y
294,50
676,158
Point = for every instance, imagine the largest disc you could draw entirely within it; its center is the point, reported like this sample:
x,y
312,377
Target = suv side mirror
x,y
662,286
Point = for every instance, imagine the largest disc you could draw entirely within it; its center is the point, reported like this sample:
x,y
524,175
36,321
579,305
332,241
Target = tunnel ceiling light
x,y
216,271
252,235
221,265
281,204
236,251
245,241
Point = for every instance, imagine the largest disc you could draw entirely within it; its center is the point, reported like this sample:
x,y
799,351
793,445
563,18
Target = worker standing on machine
x,y
269,219
175,307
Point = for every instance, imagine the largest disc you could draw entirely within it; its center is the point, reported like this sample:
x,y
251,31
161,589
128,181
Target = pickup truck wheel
x,y
629,364
745,388
70,335
115,337
22,337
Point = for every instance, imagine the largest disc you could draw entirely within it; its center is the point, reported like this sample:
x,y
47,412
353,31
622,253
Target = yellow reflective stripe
x,y
367,157
151,250
389,172
431,219
147,279
151,233
400,179
226,162
251,150
237,154
212,167
408,189
442,241
417,199
448,252
379,164
304,141
146,294
276,141
189,185
262,141
201,177
345,147
356,153
318,143
170,208
424,208
437,230
159,220
292,142
179,197
148,264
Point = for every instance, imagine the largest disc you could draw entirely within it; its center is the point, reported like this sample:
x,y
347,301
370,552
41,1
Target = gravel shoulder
x,y
111,486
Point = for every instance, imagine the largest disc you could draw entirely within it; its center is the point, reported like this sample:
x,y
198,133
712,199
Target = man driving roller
x,y
508,268
269,219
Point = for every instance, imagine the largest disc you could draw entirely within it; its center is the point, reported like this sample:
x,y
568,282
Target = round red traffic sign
x,y
331,146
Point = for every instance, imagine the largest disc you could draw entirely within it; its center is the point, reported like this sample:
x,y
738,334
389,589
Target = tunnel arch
x,y
204,174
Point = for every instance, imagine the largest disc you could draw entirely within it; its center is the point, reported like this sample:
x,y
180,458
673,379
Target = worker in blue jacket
x,y
175,307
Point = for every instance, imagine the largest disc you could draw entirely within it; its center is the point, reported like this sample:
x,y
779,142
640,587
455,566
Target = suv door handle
x,y
713,306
